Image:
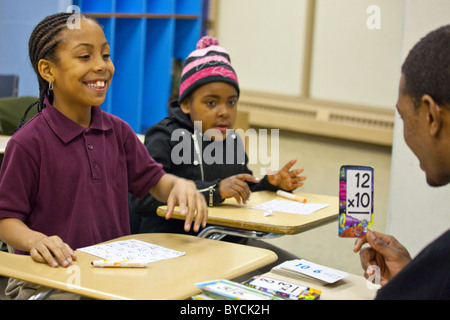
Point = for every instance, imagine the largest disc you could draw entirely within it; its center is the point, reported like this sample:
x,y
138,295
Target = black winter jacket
x,y
175,144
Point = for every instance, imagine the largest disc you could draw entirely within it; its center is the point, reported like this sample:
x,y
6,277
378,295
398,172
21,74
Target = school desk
x,y
241,220
353,287
170,279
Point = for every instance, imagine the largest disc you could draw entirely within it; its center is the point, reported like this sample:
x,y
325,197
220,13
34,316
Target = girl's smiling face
x,y
82,70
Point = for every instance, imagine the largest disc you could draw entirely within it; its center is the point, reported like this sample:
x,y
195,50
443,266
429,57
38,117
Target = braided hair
x,y
42,45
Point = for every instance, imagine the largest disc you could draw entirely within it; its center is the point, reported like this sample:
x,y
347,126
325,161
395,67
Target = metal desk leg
x,y
43,295
218,232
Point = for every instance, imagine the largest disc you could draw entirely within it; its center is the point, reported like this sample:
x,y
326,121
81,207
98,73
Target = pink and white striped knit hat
x,y
209,63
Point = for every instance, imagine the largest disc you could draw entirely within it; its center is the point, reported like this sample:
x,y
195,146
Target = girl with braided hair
x,y
66,174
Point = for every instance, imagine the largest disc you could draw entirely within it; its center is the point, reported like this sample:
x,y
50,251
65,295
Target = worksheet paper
x,y
290,206
131,250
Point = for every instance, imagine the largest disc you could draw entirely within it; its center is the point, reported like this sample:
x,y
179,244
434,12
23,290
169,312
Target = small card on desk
x,y
299,268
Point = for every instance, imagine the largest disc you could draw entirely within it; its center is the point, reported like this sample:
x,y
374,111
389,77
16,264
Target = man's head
x,y
424,104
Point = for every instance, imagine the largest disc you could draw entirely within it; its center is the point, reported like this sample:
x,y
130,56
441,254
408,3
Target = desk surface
x,y
230,214
167,279
3,141
352,287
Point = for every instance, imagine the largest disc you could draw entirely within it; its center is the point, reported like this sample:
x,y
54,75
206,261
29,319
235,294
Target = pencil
x,y
119,263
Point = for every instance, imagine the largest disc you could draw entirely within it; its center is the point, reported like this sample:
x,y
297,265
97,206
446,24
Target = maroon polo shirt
x,y
63,179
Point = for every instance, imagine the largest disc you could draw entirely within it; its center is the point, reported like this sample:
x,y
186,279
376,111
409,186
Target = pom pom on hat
x,y
208,63
206,42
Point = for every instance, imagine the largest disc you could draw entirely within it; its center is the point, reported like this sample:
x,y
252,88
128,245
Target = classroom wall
x,y
417,213
17,20
351,63
264,39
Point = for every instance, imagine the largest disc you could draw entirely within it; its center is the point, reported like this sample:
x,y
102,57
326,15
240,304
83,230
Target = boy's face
x,y
83,69
417,136
215,105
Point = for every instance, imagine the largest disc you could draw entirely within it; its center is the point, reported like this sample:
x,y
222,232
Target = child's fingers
x,y
296,172
61,254
289,165
187,205
190,214
205,211
200,212
297,185
71,252
246,177
298,181
241,192
43,257
53,251
171,203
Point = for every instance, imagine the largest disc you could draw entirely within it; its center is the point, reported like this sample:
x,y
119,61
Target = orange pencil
x,y
290,196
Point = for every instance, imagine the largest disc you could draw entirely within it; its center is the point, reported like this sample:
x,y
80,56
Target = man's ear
x,y
45,68
186,106
433,113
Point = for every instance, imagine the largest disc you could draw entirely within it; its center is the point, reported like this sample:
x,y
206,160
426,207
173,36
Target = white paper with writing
x,y
290,206
131,250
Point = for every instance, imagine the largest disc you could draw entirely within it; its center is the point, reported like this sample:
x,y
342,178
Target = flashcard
x,y
299,268
355,201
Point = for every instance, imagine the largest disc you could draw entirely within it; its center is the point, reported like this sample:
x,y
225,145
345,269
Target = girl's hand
x,y
285,179
192,204
236,187
52,250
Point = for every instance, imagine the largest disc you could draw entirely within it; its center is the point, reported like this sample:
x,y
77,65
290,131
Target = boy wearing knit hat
x,y
204,116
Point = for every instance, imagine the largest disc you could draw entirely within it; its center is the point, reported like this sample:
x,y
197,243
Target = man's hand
x,y
385,252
